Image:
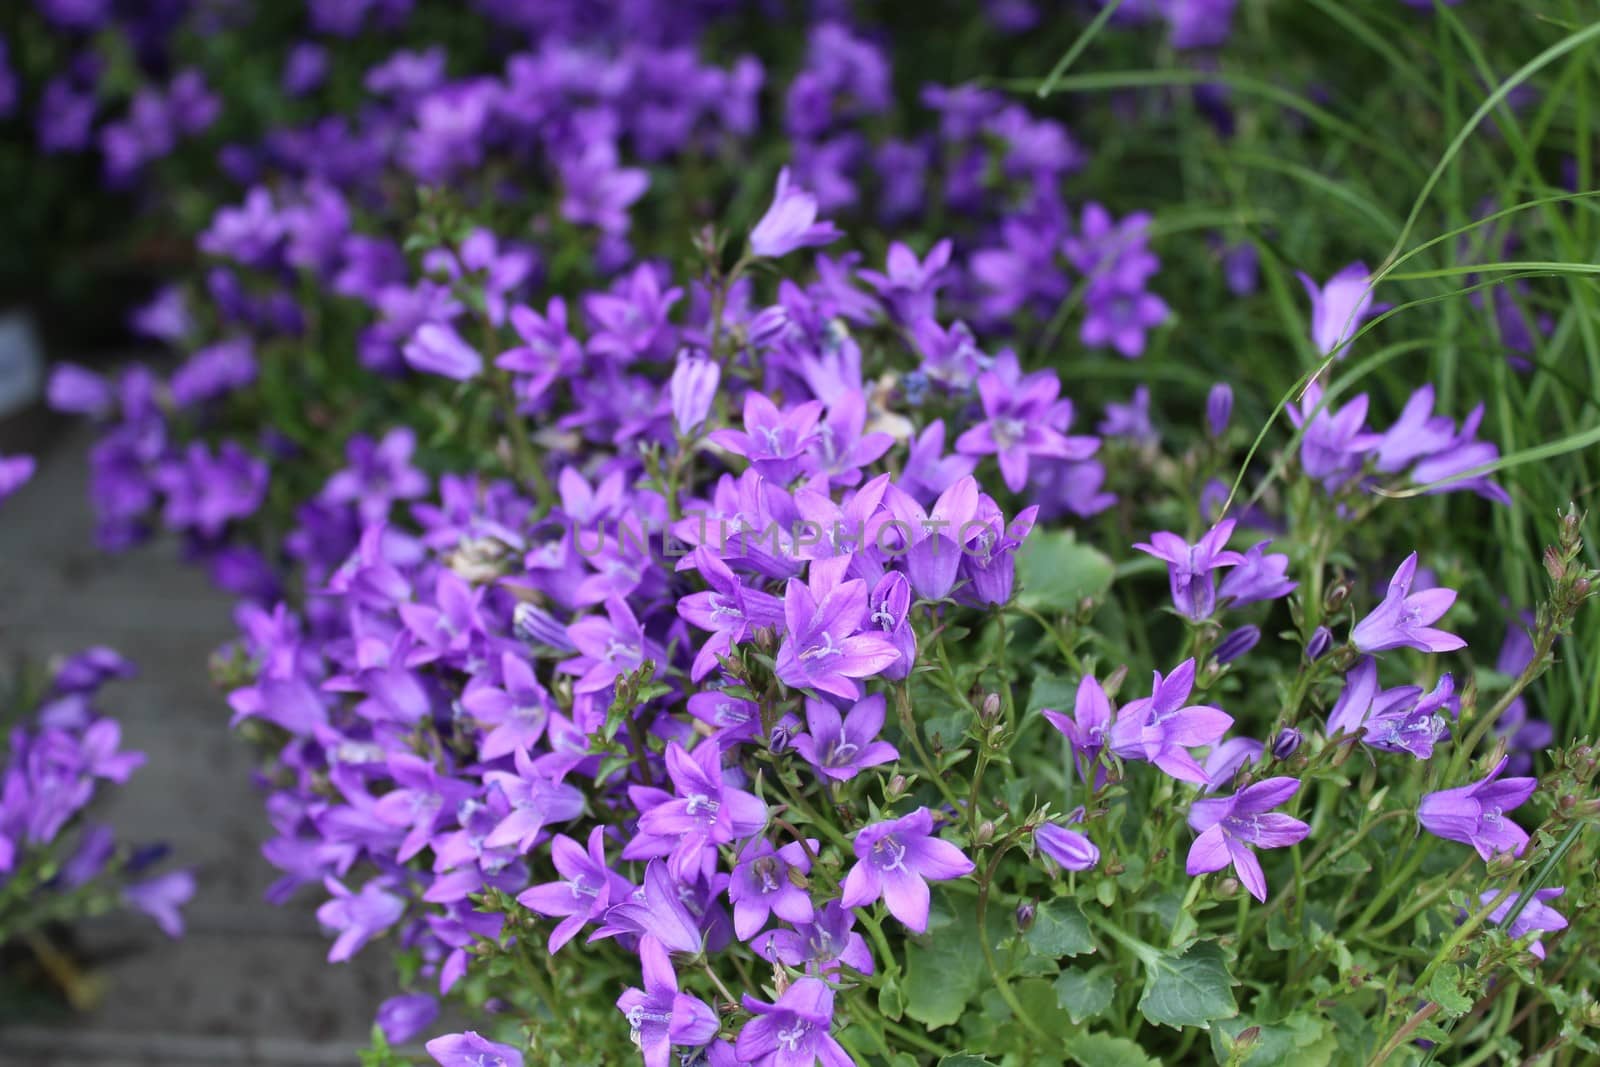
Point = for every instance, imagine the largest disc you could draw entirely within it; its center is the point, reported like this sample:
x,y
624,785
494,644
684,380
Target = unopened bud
x,y
1286,744
989,710
1321,641
1336,596
897,786
1554,565
1025,916
985,833
778,741
766,639
1245,1040
1114,681
1580,588
1219,406
1238,643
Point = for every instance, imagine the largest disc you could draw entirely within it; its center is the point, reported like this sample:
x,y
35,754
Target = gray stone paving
x,y
248,984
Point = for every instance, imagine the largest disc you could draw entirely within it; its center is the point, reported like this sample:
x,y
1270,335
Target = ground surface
x,y
248,984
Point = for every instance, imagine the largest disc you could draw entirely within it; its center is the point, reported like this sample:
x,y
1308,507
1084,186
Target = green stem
x,y
908,726
1001,986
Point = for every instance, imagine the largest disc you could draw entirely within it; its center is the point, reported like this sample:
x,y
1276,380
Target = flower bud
x,y
1286,743
989,710
1321,641
692,389
897,786
1114,681
1238,643
1554,565
985,833
1336,597
766,640
1025,916
778,742
1219,408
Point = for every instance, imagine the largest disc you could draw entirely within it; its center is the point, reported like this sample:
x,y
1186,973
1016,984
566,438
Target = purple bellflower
x,y
706,811
762,885
1405,619
1538,916
470,1050
1161,728
895,860
1230,826
1339,308
843,748
793,1031
823,647
790,223
1071,849
1476,814
659,1016
1189,567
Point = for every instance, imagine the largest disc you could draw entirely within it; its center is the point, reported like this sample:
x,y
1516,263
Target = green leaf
x,y
1051,691
944,973
1302,1040
1059,930
1100,1050
892,999
1193,989
1445,990
1085,994
964,1059
1055,572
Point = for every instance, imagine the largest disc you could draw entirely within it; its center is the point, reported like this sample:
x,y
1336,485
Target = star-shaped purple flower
x,y
895,860
1230,826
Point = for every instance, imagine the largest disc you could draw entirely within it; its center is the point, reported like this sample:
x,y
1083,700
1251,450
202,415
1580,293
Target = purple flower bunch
x,y
57,864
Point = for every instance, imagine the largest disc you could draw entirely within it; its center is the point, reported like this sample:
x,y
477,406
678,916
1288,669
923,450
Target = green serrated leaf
x,y
892,999
1102,1050
1083,995
1059,930
1445,990
1193,989
1055,572
945,971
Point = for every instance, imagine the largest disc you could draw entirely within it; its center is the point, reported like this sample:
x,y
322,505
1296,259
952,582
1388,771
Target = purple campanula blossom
x,y
1131,421
1189,567
824,646
1339,308
774,441
911,285
404,1017
659,1016
1405,619
162,897
1230,826
379,473
1320,641
358,916
585,893
1218,410
762,886
536,800
889,608
730,610
657,909
790,223
1241,268
516,711
1120,318
693,388
705,812
1069,848
1476,814
15,472
934,540
1225,759
843,748
305,69
436,348
1087,728
928,471
1335,442
1537,915
470,1050
77,390
819,946
793,1031
1523,733
607,648
895,860
1018,411
547,353
1161,728
1257,577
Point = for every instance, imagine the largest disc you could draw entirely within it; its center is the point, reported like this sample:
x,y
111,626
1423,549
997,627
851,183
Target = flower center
x,y
790,1037
841,753
700,803
895,852
822,651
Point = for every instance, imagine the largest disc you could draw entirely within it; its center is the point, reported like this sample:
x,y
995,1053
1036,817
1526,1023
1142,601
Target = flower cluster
x,y
56,864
